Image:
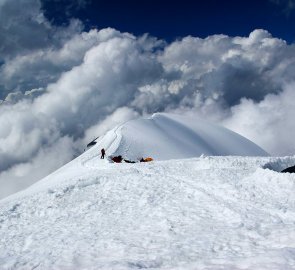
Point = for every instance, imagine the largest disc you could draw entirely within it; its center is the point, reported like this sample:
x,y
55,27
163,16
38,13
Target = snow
x,y
208,212
169,136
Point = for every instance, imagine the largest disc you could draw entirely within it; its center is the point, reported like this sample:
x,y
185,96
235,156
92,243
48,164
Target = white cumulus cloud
x,y
59,95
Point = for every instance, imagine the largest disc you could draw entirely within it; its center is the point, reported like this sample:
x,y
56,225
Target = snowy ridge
x,y
209,212
202,213
168,136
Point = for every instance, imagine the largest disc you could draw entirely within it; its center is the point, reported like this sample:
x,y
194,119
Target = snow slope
x,y
169,136
210,212
201,213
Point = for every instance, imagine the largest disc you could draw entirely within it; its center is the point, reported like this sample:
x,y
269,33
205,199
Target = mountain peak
x,y
170,136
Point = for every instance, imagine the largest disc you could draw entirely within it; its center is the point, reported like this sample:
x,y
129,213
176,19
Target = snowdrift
x,y
168,136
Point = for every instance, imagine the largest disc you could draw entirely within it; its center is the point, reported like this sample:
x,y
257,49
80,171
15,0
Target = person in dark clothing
x,y
103,152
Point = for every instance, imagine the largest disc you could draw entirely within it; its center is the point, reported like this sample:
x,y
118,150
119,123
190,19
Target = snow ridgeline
x,y
201,213
170,136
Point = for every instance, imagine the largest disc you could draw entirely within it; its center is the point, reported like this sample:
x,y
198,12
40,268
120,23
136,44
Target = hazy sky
x,y
71,70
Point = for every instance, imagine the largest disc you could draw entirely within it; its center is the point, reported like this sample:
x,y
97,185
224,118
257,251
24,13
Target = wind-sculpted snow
x,y
201,213
170,136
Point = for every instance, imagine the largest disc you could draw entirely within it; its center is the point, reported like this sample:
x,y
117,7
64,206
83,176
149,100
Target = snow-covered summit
x,y
169,136
209,212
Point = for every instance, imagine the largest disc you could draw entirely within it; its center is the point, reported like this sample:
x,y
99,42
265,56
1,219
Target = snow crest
x,y
168,136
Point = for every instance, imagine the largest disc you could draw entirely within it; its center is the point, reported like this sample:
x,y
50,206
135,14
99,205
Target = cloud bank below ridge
x,y
60,94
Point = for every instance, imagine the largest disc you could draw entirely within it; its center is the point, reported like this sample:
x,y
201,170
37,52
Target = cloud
x,y
40,67
58,96
23,27
28,43
266,122
46,160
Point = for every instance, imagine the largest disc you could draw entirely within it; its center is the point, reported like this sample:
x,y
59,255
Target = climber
x,y
103,152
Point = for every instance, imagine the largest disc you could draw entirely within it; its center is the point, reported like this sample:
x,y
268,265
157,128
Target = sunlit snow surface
x,y
167,136
222,212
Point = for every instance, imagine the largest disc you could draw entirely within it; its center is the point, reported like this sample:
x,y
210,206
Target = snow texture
x,y
209,212
170,136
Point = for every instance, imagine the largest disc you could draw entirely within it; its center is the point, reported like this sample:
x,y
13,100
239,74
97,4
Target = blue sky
x,y
173,19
